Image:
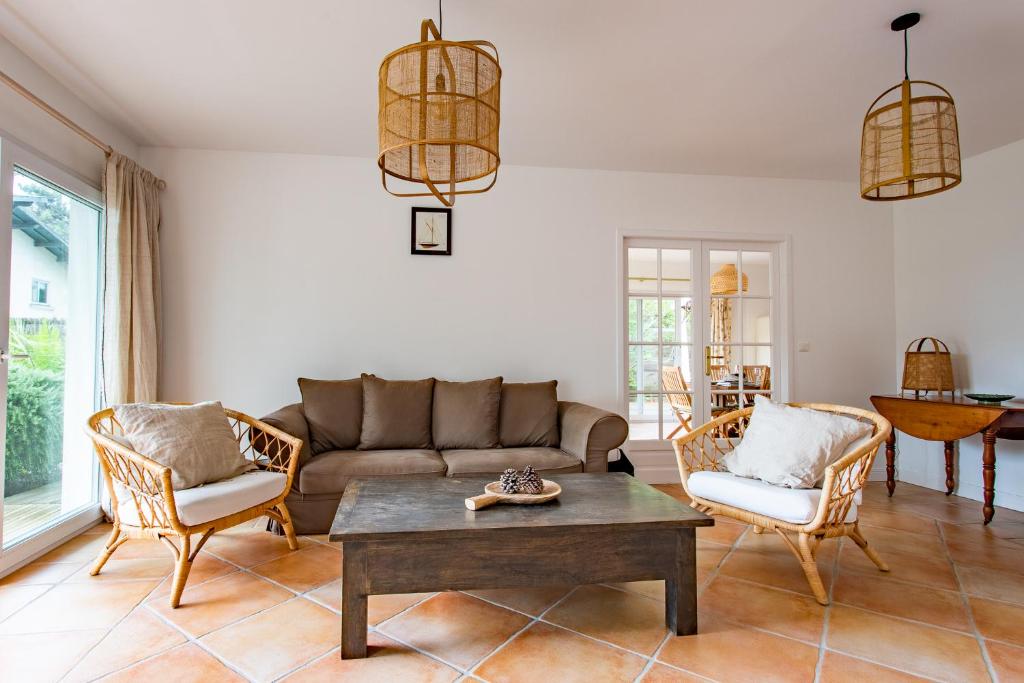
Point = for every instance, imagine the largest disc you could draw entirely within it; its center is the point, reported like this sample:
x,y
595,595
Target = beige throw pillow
x,y
790,446
195,441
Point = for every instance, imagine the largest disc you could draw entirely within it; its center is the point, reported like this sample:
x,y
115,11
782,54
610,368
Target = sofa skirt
x,y
311,514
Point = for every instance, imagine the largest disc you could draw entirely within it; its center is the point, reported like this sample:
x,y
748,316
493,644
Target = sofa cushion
x,y
212,501
195,441
466,414
529,414
330,472
396,414
797,506
334,412
496,460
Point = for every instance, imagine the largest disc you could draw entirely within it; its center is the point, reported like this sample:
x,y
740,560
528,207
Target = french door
x,y
49,312
702,332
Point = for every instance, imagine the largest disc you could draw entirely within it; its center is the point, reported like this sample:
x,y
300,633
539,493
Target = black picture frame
x,y
417,248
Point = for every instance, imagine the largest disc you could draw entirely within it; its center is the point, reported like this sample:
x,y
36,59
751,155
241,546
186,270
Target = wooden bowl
x,y
493,494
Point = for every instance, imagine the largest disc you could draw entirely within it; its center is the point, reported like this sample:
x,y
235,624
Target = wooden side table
x,y
949,419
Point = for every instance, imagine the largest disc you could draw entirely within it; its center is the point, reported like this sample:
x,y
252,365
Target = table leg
x,y
353,601
681,586
950,482
890,462
988,471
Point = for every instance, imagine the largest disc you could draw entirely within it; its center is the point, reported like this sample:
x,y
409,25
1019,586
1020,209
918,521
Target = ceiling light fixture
x,y
439,114
910,147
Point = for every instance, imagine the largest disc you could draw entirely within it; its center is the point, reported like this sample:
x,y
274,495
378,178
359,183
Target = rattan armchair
x,y
703,449
132,478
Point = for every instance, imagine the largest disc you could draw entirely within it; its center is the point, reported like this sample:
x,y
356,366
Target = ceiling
x,y
748,87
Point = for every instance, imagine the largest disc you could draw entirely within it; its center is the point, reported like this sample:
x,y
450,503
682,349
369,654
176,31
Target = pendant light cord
x,y
906,55
440,21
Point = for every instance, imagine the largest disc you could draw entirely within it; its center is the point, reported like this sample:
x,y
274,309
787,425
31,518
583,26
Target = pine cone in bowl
x,y
509,481
530,481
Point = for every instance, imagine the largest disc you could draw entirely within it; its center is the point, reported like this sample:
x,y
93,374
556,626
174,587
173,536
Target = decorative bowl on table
x,y
990,399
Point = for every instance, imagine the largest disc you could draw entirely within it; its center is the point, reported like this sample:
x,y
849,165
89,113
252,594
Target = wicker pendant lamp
x,y
724,280
910,147
438,116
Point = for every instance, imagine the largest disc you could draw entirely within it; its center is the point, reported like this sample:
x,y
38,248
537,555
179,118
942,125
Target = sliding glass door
x,y
49,284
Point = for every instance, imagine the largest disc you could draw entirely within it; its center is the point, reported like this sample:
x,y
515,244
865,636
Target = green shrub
x,y
35,407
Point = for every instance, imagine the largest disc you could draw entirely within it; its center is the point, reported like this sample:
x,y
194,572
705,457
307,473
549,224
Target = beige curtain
x,y
131,284
721,331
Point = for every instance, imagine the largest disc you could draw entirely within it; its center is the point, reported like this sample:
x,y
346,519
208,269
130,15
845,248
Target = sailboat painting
x,y
431,231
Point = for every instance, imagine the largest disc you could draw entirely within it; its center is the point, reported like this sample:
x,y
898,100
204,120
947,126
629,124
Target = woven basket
x,y
927,370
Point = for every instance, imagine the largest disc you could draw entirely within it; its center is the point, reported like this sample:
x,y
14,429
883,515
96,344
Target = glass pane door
x,y
739,323
660,341
50,354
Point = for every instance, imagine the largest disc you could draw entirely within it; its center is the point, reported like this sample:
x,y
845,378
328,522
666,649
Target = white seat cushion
x,y
213,501
797,506
792,446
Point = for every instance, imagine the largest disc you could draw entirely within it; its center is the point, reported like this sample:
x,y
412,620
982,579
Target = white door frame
x,y
11,155
656,456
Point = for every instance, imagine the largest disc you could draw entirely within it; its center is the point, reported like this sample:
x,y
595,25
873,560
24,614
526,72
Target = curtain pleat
x,y
131,284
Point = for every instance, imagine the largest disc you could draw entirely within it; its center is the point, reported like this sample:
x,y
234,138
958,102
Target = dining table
x,y
949,418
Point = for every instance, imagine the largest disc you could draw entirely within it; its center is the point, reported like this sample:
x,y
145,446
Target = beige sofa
x,y
370,427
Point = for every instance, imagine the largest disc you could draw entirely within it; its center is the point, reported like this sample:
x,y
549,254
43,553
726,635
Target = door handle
x,y
707,361
4,356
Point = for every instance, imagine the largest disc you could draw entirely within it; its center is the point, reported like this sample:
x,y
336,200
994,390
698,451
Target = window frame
x,y
781,296
16,158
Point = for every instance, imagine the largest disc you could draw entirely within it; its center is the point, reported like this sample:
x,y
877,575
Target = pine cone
x,y
509,481
530,482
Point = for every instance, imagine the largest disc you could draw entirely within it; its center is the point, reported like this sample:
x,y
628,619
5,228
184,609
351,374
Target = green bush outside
x,y
35,405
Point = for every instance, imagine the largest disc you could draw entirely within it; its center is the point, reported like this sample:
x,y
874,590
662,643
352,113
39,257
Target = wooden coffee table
x,y
413,536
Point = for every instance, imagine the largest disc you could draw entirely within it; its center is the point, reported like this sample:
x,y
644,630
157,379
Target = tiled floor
x,y
951,609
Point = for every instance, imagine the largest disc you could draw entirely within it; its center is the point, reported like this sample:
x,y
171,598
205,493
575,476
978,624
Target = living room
x,y
684,229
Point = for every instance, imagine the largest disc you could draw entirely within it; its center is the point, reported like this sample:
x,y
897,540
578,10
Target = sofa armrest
x,y
292,420
589,433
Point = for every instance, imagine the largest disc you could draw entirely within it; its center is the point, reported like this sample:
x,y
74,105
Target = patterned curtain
x,y
721,331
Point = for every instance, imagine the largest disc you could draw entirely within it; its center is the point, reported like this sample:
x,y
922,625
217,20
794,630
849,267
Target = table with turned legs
x,y
948,419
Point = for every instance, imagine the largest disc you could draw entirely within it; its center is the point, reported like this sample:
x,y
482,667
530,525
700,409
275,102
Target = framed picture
x,y
431,231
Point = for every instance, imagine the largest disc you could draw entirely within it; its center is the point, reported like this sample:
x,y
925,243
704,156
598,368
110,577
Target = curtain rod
x,y
31,97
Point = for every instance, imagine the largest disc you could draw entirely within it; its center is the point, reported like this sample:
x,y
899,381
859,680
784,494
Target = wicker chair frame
x,y
149,485
703,449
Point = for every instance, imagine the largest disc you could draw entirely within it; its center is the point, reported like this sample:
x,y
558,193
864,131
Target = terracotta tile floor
x,y
950,609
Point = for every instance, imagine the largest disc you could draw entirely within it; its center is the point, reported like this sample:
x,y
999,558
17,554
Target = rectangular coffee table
x,y
416,536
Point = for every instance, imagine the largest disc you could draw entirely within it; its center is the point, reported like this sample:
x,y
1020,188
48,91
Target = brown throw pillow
x,y
466,414
334,411
195,441
529,415
396,414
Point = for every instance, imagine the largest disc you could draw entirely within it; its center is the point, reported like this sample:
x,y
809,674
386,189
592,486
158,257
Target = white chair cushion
x,y
213,501
797,506
792,446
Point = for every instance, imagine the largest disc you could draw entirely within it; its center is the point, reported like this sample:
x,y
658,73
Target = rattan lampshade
x,y
439,115
724,280
909,147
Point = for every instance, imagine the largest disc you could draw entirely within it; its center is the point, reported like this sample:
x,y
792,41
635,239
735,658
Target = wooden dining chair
x,y
673,384
760,376
719,372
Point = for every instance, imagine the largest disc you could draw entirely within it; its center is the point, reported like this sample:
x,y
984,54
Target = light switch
x,y
803,346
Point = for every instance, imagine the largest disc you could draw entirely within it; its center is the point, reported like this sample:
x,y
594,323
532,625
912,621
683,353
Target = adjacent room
x,y
715,374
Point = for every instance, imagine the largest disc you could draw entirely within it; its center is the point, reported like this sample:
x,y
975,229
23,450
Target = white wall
x,y
277,266
28,263
32,127
958,278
